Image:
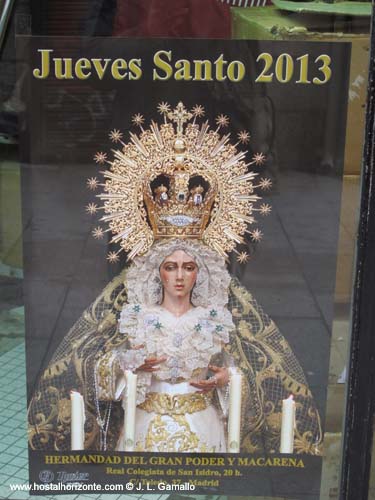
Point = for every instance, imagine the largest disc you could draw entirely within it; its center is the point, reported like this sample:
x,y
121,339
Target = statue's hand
x,y
220,379
150,364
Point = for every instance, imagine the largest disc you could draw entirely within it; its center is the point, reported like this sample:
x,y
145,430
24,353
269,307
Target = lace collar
x,y
188,341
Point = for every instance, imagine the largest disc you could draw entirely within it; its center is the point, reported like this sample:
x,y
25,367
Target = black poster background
x,y
301,129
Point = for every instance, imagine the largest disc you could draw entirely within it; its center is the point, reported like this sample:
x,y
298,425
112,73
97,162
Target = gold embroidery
x,y
172,434
304,443
105,376
177,404
64,409
57,368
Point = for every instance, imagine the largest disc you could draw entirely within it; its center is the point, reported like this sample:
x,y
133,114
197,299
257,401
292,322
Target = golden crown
x,y
180,179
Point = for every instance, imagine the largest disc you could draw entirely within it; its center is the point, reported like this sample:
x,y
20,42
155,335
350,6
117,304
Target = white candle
x,y
234,420
287,425
77,421
130,406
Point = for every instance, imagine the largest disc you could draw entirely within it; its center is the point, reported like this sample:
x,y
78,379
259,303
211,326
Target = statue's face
x,y
178,274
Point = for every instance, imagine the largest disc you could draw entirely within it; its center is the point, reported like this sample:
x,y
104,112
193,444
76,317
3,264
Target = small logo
x,y
46,476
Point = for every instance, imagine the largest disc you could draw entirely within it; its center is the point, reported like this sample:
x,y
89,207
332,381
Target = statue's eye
x,y
190,268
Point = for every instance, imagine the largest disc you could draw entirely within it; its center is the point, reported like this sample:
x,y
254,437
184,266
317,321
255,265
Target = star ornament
x,y
259,158
244,137
115,135
222,121
91,208
265,209
265,183
164,108
256,235
112,257
138,120
100,157
98,233
198,111
243,257
92,183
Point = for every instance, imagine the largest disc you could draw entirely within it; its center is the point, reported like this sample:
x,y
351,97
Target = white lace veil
x,y
143,278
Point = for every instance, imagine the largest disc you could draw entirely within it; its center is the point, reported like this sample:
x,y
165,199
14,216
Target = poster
x,y
136,144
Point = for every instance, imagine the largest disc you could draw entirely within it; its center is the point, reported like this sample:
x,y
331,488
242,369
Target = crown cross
x,y
180,115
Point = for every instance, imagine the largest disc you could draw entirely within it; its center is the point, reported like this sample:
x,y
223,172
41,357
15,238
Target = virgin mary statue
x,y
177,198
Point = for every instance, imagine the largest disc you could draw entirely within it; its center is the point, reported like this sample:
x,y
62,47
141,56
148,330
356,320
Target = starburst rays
x,y
131,228
198,111
138,120
244,137
256,235
100,157
91,208
265,183
98,233
265,209
259,158
115,135
164,108
92,183
113,257
243,257
222,121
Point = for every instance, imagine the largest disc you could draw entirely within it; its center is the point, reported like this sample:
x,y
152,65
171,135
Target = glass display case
x,y
186,238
